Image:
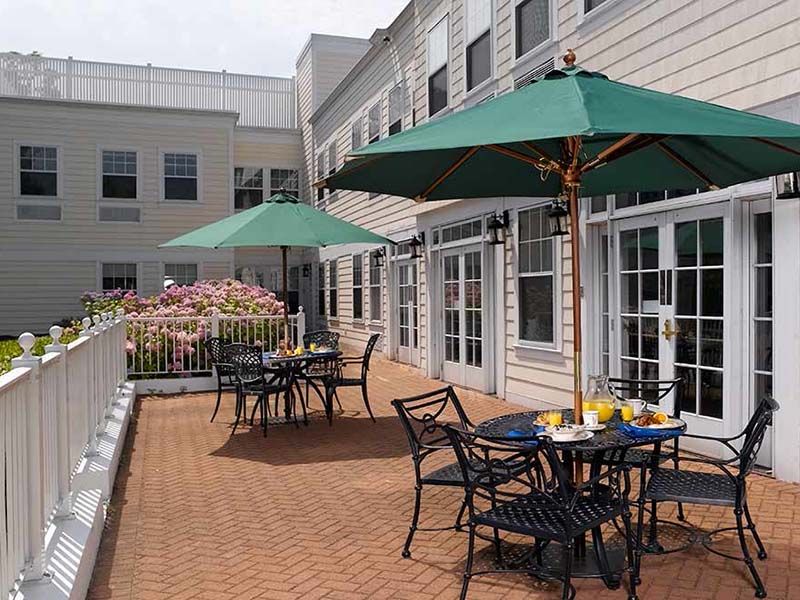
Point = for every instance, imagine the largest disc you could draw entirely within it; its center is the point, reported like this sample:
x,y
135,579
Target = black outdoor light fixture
x,y
415,244
379,258
558,218
787,185
498,227
306,270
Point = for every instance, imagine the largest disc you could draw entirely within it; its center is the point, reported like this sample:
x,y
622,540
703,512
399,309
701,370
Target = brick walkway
x,y
323,512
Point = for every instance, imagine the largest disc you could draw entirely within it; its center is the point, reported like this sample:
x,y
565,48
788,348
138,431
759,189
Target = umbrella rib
x,y
778,146
603,154
450,170
687,165
534,148
323,183
536,162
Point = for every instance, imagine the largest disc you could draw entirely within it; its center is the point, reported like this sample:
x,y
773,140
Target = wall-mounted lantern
x,y
379,257
416,244
498,228
558,215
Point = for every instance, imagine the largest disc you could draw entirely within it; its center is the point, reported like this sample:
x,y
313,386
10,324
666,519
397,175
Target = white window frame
x,y
288,191
600,15
333,156
164,265
161,176
119,204
480,88
16,170
375,284
428,73
333,289
322,310
372,105
100,264
401,87
538,53
360,257
357,124
547,350
265,174
100,173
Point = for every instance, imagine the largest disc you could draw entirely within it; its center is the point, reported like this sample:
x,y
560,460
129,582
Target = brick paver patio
x,y
322,512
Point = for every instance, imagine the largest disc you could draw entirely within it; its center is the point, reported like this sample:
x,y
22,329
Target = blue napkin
x,y
519,433
638,432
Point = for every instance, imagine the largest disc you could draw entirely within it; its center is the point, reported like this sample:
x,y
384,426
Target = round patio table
x,y
607,446
289,368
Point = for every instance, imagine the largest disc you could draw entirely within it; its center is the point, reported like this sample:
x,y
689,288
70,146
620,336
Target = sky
x,y
261,37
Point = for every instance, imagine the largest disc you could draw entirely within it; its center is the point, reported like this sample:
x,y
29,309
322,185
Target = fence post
x,y
224,89
69,78
91,388
64,506
110,364
301,325
215,324
149,88
122,347
33,418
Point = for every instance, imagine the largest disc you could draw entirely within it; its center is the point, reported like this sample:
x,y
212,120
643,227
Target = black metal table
x,y
608,445
291,366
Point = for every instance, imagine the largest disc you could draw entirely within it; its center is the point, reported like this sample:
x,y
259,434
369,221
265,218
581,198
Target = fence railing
x,y
260,101
52,410
173,346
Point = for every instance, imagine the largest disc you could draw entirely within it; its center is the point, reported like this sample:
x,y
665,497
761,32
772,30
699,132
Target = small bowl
x,y
564,433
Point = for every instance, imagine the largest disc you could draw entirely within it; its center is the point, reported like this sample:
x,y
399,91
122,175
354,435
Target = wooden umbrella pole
x,y
572,180
284,250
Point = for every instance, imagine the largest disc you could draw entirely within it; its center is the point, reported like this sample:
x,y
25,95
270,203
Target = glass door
x,y
462,307
408,312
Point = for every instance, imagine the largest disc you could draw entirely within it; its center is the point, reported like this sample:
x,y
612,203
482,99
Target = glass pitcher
x,y
598,398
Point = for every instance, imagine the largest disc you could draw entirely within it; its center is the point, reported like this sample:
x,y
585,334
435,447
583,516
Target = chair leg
x,y
468,565
762,553
336,397
748,560
264,402
629,546
652,538
219,399
459,526
239,401
414,521
566,591
302,401
366,400
639,536
259,400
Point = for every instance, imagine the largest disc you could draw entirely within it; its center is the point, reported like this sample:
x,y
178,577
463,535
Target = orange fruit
x,y
661,417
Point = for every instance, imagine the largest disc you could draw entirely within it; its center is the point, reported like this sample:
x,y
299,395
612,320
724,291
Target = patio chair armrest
x,y
588,485
716,462
724,441
350,359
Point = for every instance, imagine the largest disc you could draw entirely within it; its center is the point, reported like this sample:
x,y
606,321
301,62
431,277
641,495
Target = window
x,y
38,171
358,286
462,231
180,176
629,199
356,131
321,290
248,187
32,212
332,158
604,310
396,109
374,123
762,325
119,174
333,292
536,278
375,274
533,24
119,214
589,5
119,276
320,175
437,67
479,42
284,178
294,289
180,274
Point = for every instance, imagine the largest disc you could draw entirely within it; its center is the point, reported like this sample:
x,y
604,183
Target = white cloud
x,y
250,36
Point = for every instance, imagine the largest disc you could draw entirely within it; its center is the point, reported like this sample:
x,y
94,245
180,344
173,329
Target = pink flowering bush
x,y
161,340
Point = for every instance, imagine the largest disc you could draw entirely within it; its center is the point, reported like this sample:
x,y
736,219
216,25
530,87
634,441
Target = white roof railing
x,y
260,101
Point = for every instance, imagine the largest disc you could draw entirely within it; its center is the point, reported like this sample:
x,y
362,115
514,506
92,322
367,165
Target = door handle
x,y
669,332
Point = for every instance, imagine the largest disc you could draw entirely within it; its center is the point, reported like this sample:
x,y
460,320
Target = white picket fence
x,y
169,346
260,101
52,410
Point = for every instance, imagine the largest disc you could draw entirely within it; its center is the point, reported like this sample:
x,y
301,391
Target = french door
x,y
463,303
671,309
408,312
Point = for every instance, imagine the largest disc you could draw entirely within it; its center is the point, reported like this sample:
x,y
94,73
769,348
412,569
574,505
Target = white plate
x,y
575,437
670,423
598,427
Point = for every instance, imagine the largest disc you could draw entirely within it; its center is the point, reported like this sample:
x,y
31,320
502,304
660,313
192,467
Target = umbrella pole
x,y
574,234
284,250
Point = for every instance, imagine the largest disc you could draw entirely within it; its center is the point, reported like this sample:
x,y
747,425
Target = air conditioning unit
x,y
787,185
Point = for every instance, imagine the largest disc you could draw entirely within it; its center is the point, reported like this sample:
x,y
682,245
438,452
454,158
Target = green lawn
x,y
10,349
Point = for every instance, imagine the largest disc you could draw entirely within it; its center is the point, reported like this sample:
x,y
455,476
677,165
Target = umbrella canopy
x,y
574,132
281,221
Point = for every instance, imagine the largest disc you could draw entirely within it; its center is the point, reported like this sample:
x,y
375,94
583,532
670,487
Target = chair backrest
x,y
321,338
754,434
215,348
247,362
373,340
424,415
653,391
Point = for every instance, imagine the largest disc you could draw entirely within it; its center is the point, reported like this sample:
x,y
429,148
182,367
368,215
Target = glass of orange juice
x,y
626,412
554,418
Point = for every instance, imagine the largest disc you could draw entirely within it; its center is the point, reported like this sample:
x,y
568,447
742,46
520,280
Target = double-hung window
x,y
438,89
119,276
590,5
248,187
537,287
286,179
332,158
180,176
333,291
356,133
119,174
358,286
374,287
321,289
180,273
396,109
321,174
479,42
38,171
533,20
374,123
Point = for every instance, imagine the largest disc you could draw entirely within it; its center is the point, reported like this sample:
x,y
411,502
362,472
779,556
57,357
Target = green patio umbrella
x,y
574,132
281,221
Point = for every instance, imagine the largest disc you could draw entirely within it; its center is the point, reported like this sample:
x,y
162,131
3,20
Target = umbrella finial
x,y
569,58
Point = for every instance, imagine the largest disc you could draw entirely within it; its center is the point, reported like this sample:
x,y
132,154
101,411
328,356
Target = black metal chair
x,y
320,371
361,381
422,418
325,338
725,488
226,375
527,491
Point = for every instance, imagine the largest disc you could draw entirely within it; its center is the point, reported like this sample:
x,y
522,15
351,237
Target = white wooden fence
x,y
159,346
52,410
260,101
